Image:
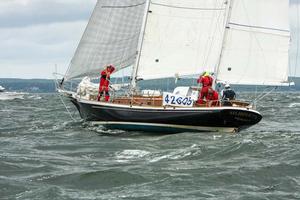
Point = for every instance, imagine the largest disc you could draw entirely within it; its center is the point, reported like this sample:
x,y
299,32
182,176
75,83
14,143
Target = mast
x,y
229,11
142,34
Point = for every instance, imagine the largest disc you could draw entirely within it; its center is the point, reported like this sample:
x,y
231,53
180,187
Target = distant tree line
x,y
28,85
48,85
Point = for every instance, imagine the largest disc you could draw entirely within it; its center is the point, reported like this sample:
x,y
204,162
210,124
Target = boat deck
x,y
158,101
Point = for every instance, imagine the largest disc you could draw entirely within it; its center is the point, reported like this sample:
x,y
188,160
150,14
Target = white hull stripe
x,y
195,128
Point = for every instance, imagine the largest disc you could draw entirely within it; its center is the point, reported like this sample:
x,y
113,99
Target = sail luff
x,y
228,15
141,39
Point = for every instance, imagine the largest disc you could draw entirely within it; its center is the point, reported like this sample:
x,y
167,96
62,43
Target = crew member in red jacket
x,y
206,80
212,97
104,82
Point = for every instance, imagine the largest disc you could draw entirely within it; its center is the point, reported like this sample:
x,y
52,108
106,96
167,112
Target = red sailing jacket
x,y
105,76
212,95
205,80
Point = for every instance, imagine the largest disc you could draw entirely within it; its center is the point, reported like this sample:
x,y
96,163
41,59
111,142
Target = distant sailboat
x,y
242,42
2,89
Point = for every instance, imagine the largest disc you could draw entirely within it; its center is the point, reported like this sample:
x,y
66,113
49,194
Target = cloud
x,y
32,42
37,34
42,45
20,13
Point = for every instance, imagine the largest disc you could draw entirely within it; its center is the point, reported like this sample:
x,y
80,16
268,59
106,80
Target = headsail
x,y
256,46
181,38
111,37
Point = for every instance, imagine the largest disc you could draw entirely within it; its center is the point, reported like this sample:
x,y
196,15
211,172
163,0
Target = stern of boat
x,y
240,118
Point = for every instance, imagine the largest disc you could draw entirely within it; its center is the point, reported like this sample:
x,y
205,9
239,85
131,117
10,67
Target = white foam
x,y
293,105
171,156
35,97
178,154
11,95
248,141
130,155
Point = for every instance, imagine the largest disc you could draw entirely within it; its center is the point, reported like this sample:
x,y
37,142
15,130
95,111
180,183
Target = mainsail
x,y
111,37
181,38
256,43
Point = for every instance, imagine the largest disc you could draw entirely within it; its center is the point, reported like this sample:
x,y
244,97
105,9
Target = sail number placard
x,y
170,99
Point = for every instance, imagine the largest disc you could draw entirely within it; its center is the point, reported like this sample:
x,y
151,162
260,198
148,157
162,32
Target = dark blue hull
x,y
174,120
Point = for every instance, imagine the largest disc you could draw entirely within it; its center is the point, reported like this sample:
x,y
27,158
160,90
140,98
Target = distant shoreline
x,y
48,85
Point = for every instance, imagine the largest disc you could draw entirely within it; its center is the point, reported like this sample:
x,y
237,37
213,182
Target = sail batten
x,y
259,27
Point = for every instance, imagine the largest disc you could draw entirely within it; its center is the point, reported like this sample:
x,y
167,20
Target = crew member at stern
x,y
207,81
212,97
104,82
228,93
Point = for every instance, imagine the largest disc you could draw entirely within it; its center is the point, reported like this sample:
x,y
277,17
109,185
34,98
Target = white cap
x,y
227,85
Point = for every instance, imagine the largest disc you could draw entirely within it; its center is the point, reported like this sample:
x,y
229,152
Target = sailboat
x,y
244,42
2,89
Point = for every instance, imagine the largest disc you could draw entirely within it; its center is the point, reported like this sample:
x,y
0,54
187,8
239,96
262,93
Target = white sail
x,y
256,44
181,38
111,37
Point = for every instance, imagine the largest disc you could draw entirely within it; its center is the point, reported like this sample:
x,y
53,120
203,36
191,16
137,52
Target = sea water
x,y
44,154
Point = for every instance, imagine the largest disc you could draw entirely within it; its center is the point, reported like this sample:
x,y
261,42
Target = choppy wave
x,y
47,155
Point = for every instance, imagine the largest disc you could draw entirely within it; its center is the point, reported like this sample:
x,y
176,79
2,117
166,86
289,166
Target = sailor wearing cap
x,y
228,93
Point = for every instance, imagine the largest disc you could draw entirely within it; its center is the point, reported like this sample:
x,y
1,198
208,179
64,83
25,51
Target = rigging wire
x,y
70,114
263,95
61,99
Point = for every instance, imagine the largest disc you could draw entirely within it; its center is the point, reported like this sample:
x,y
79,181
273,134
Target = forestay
x,y
111,37
181,38
256,43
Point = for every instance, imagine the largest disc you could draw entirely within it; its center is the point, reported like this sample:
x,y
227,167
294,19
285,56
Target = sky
x,y
37,35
